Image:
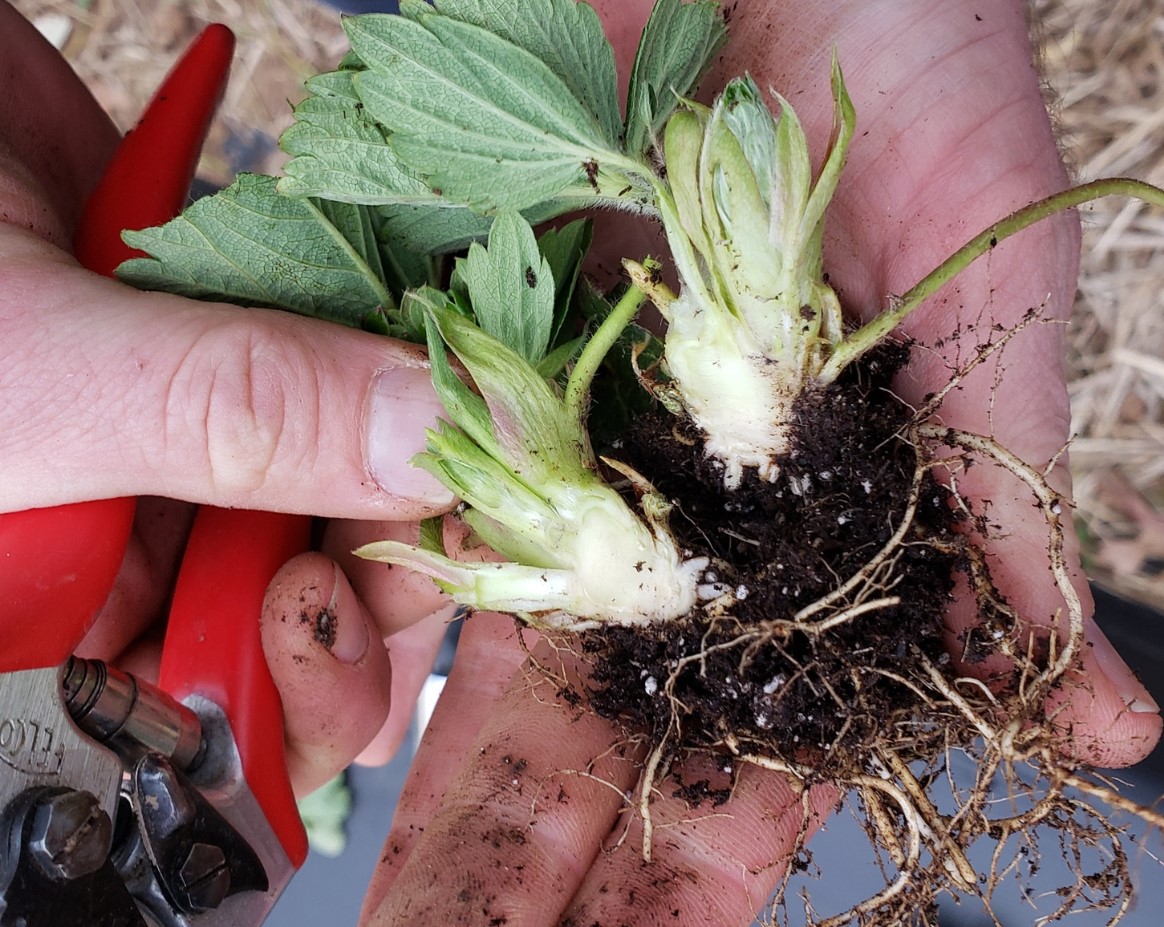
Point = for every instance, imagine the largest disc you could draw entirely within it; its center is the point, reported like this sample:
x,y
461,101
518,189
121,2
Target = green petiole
x,y
873,332
578,385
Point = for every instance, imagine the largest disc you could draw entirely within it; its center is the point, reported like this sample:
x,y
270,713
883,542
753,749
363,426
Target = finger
x,y
395,596
140,591
709,864
487,658
56,138
1103,712
200,401
413,652
515,828
331,670
411,613
408,607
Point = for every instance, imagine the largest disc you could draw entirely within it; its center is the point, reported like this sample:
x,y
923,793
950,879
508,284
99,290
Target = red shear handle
x,y
214,646
57,565
148,180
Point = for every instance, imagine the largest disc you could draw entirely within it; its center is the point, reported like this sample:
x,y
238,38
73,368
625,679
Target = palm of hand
x,y
952,135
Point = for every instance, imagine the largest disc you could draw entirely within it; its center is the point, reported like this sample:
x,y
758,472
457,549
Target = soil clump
x,y
750,669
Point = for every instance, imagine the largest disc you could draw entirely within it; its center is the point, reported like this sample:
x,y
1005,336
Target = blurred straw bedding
x,y
123,48
1104,67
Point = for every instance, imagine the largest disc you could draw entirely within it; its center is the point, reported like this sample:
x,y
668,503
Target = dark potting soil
x,y
781,546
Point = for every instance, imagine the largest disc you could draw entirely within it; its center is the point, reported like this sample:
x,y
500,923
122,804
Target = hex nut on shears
x,y
70,836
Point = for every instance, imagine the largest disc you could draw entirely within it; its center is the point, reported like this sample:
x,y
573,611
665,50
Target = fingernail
x,y
345,631
1130,690
401,406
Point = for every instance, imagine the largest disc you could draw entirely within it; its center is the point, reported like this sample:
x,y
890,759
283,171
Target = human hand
x,y
516,808
110,392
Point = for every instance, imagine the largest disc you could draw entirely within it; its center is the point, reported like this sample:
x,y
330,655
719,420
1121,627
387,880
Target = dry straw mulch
x,y
123,49
1104,63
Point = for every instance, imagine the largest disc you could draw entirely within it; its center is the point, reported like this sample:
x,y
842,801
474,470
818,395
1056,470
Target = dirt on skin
x,y
726,673
323,626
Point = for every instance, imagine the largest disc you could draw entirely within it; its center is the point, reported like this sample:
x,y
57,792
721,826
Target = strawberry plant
x,y
746,537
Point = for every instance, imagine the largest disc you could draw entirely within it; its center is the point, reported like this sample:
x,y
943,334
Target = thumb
x,y
114,392
330,666
1105,715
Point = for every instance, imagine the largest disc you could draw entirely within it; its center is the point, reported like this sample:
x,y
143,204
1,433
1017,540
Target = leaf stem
x,y
578,385
875,331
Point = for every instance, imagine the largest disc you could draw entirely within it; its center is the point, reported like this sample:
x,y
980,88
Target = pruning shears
x,y
122,802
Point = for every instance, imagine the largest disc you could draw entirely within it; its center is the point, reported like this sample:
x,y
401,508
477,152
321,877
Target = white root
x,y
856,611
646,789
906,872
932,824
1052,505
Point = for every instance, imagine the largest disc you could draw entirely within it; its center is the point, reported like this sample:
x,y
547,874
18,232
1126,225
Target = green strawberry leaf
x,y
428,231
511,287
251,246
564,250
484,121
675,50
422,230
340,152
567,36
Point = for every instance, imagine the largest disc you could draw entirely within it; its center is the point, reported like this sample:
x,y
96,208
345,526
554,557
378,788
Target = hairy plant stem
x,y
879,328
578,385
